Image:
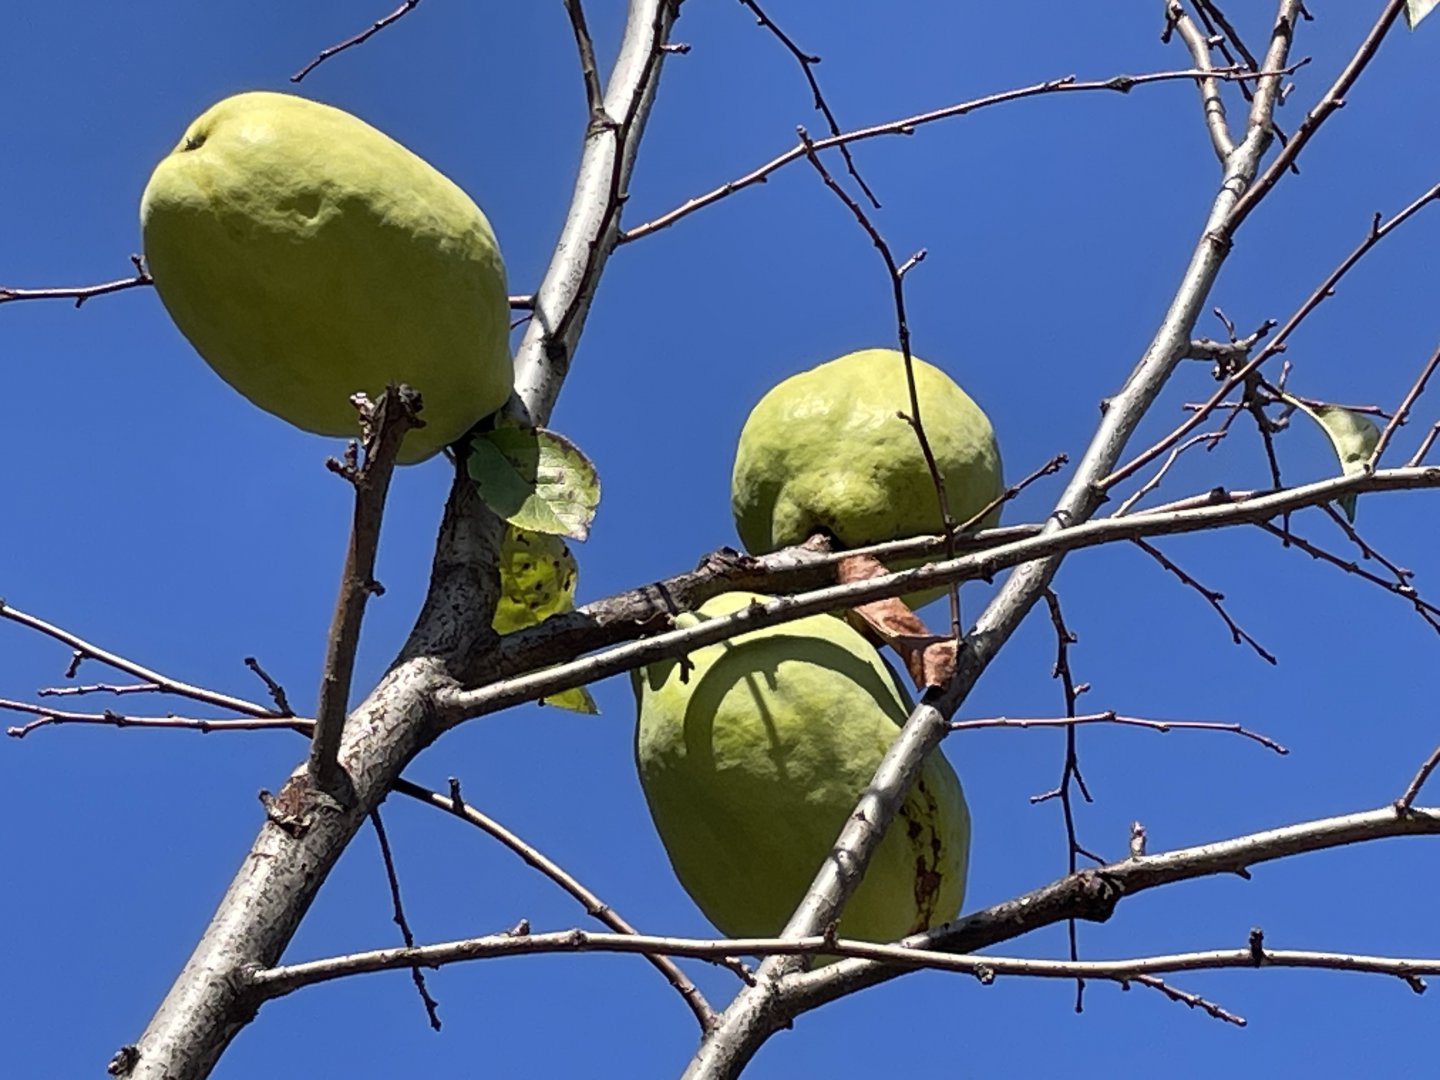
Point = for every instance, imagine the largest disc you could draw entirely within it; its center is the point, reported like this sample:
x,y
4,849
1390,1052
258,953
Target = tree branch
x,y
209,1003
758,1011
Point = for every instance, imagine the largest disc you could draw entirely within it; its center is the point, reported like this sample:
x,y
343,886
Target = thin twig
x,y
1402,412
906,125
1407,800
81,293
1403,575
1211,102
1050,468
644,614
277,981
1332,99
1326,289
110,718
384,424
1425,444
1070,770
87,651
585,46
807,62
592,904
350,42
1211,437
896,273
277,692
1211,596
432,1008
1109,716
1403,589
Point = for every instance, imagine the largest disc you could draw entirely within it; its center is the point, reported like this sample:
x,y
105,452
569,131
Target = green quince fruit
x,y
752,760
308,256
827,450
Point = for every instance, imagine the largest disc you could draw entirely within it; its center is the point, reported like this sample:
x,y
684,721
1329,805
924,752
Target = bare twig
x,y
1412,789
906,125
1402,412
98,688
1318,295
279,981
594,96
1094,894
349,43
1109,716
84,650
1333,98
1425,444
109,718
592,904
896,273
592,228
1194,1001
1402,588
384,424
1211,597
1070,771
630,617
81,293
432,1008
962,529
807,62
1403,576
277,692
1211,437
1211,101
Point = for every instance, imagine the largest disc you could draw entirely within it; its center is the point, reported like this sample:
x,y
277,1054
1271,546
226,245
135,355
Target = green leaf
x,y
576,700
1415,10
536,480
1353,436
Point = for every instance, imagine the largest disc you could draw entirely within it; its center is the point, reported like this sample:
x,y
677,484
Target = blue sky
x,y
150,509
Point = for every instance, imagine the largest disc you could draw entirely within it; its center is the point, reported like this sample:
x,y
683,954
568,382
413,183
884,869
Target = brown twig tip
x,y
356,39
1211,596
1256,944
277,692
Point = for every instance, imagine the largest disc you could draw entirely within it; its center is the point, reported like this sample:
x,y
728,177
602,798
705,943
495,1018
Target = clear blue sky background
x,y
150,509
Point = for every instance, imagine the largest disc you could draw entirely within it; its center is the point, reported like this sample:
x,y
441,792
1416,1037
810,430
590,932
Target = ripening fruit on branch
x,y
308,256
826,450
752,762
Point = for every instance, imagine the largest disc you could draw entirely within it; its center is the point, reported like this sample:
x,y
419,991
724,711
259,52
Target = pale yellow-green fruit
x,y
308,256
752,764
826,451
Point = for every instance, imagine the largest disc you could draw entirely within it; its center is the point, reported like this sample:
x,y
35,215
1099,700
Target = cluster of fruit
x,y
307,255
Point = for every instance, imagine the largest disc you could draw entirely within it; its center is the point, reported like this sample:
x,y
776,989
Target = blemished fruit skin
x,y
307,256
826,450
752,764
